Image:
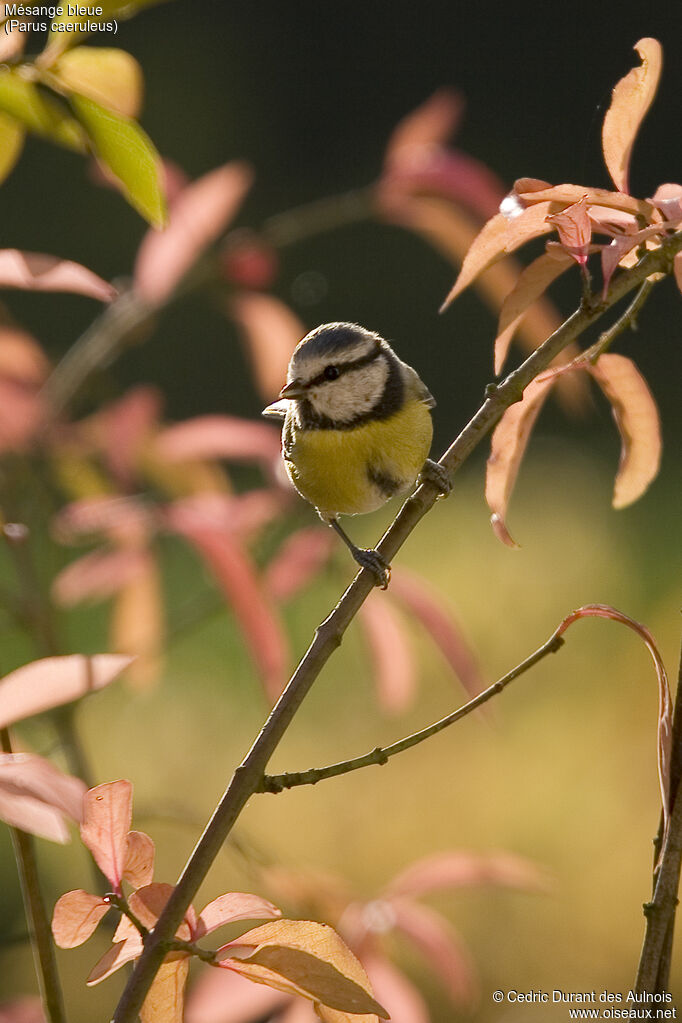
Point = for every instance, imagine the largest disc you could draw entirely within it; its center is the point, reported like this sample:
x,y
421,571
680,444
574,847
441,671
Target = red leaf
x,y
221,996
637,419
664,729
34,271
97,576
233,906
391,654
53,681
297,562
632,97
440,945
508,445
198,216
34,796
106,823
76,915
463,869
235,574
270,332
139,861
218,437
424,604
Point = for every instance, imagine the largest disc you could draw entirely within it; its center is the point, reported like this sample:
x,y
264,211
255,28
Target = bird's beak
x,y
294,389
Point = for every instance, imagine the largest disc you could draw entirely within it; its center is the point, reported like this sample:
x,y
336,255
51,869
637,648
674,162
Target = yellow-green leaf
x,y
128,152
11,141
37,110
68,29
110,77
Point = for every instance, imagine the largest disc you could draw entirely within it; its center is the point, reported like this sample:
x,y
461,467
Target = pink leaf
x,y
97,576
426,606
221,996
126,426
463,869
106,823
668,199
233,906
395,991
218,437
637,419
440,945
139,861
53,681
431,124
575,230
34,796
235,574
632,97
270,331
242,515
664,729
567,195
198,216
391,654
34,271
300,558
21,412
22,1010
76,916
124,518
508,445
148,903
117,956
21,357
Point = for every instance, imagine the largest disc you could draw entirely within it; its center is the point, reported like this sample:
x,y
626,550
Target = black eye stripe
x,y
345,367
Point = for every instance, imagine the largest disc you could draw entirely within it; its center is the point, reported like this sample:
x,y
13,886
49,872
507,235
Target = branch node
x,y
491,391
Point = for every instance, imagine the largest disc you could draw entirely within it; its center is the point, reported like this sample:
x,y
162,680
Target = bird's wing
x,y
416,386
277,410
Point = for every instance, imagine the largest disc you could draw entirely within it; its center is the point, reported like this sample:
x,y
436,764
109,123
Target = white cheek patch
x,y
354,394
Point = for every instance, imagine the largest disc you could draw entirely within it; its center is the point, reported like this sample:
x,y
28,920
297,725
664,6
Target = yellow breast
x,y
351,471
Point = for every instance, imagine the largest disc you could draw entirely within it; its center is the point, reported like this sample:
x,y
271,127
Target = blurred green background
x,y
563,770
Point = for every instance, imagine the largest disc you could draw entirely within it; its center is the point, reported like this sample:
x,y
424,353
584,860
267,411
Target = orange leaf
x,y
111,77
34,271
270,331
21,357
120,953
35,795
233,906
305,958
501,235
148,903
198,216
636,415
507,448
677,268
106,822
431,124
665,723
426,606
166,998
76,915
139,862
391,654
53,681
137,623
567,195
631,99
531,284
20,414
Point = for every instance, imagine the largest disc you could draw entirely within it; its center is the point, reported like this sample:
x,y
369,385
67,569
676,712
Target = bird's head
x,y
340,373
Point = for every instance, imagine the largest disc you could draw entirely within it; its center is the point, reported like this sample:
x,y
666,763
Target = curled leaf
x,y
507,448
107,815
631,99
76,915
575,229
34,271
198,216
53,681
637,419
233,906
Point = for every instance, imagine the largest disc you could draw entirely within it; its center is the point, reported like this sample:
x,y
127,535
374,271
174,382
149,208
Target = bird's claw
x,y
433,472
374,563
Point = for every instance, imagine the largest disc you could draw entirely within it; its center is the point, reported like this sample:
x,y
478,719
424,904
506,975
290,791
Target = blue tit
x,y
356,428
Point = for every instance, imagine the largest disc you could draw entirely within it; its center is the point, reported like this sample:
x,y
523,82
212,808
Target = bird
x,y
356,428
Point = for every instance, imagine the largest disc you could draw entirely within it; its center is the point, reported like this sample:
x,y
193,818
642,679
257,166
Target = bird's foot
x,y
433,472
374,563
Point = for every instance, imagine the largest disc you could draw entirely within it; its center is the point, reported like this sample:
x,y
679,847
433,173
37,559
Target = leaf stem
x,y
381,755
36,916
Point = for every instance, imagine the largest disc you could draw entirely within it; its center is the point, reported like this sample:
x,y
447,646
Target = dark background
x,y
308,92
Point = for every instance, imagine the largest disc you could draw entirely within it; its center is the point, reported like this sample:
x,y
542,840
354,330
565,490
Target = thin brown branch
x,y
381,755
36,916
248,776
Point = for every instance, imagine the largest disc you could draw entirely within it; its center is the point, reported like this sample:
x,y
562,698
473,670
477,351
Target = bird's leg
x,y
433,472
366,558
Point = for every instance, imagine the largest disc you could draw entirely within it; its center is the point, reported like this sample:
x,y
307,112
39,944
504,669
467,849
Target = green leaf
x,y
110,77
11,141
37,110
128,152
62,36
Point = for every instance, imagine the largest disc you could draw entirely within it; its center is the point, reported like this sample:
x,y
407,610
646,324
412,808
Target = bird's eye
x,y
332,372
